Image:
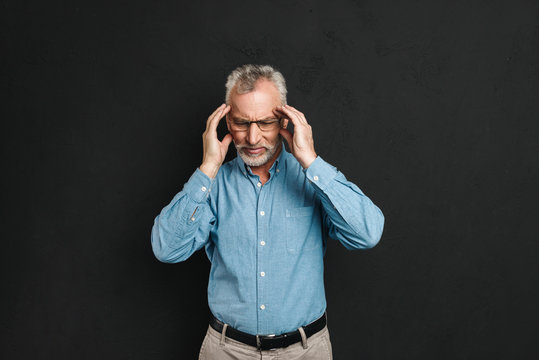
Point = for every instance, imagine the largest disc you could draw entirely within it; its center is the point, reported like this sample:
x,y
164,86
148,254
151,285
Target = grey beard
x,y
261,159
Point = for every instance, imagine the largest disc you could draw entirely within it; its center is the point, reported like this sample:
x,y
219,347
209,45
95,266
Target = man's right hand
x,y
214,150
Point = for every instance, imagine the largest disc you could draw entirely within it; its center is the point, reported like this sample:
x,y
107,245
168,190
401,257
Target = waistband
x,y
268,342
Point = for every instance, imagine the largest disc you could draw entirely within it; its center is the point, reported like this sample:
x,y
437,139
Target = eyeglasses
x,y
264,125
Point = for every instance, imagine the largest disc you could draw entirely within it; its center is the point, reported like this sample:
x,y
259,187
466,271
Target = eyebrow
x,y
269,117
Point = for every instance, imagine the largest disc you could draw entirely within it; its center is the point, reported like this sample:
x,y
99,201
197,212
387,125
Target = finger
x,y
214,113
287,136
298,113
283,119
280,113
217,118
301,118
226,141
290,115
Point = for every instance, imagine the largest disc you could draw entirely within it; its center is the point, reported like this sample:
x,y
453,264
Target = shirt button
x,y
203,188
277,170
315,178
262,306
192,219
259,184
262,213
262,243
262,274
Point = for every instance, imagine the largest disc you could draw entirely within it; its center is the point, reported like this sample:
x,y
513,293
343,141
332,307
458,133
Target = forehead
x,y
256,104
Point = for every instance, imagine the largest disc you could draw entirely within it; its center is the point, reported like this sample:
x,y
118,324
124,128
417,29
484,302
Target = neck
x,y
263,170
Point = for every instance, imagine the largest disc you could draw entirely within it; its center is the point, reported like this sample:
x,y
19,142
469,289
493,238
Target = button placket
x,y
261,251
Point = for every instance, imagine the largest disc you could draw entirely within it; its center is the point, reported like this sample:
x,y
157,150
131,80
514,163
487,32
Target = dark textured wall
x,y
430,107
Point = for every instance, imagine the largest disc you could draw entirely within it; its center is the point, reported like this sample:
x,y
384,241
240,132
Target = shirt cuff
x,y
320,173
198,186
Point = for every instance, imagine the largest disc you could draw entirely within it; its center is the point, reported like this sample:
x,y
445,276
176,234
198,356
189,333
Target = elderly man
x,y
264,219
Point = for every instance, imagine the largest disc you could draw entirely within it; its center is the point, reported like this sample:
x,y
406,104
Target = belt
x,y
267,342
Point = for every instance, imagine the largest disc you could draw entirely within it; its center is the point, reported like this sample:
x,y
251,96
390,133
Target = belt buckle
x,y
260,338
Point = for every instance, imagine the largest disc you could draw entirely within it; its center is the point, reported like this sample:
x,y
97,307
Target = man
x,y
264,219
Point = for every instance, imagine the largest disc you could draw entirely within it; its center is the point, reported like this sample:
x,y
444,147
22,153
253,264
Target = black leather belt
x,y
268,342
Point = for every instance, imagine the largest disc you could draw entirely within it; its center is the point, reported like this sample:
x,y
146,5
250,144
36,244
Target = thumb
x,y
226,141
288,137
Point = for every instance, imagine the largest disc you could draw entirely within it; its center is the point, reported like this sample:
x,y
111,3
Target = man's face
x,y
255,146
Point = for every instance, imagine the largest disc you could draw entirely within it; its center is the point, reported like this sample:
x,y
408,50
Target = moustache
x,y
252,147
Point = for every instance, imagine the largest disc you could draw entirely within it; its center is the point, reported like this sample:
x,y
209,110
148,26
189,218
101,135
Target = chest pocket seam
x,y
301,211
297,228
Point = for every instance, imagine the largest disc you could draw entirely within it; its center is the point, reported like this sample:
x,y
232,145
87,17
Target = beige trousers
x,y
218,347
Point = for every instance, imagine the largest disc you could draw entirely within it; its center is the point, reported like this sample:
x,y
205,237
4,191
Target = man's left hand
x,y
301,143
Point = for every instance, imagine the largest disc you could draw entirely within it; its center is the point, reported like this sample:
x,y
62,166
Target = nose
x,y
253,134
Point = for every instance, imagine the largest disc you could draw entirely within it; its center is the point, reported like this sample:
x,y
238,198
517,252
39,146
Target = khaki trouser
x,y
218,347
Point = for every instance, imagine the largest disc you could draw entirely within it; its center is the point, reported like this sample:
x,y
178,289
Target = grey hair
x,y
245,77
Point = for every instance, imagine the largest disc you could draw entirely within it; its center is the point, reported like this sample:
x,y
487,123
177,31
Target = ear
x,y
285,123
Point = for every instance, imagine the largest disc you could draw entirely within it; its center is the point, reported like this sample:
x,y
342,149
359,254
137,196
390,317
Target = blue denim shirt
x,y
266,243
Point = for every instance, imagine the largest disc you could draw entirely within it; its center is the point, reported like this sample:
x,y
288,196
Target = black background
x,y
430,107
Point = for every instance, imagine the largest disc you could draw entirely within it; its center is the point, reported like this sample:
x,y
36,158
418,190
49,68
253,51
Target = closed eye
x,y
268,122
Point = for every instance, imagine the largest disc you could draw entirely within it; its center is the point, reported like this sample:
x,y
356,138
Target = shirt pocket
x,y
299,230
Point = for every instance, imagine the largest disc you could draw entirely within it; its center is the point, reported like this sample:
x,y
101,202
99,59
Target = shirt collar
x,y
246,169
